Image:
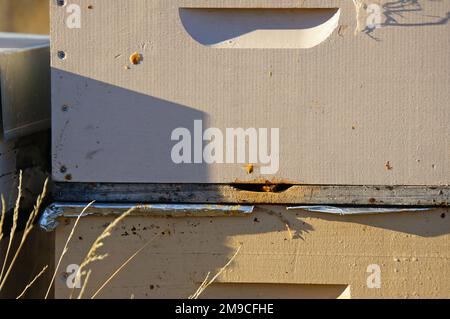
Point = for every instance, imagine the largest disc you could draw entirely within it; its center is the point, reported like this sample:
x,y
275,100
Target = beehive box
x,y
280,254
153,92
25,146
24,114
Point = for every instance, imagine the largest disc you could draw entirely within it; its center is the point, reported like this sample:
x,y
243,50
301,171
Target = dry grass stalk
x,y
98,243
28,227
14,226
2,217
66,247
206,283
32,282
201,288
84,284
114,274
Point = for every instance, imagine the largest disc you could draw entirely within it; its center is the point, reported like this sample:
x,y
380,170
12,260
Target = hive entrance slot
x,y
262,188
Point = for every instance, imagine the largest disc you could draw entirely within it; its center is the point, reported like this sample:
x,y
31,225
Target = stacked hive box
x,y
146,99
24,143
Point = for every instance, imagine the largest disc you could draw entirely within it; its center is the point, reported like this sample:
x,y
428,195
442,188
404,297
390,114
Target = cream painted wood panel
x,y
320,256
352,109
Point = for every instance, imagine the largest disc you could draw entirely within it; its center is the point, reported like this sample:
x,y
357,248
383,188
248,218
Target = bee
x,y
135,58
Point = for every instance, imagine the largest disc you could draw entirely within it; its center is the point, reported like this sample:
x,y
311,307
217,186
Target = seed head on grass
x,y
92,255
114,274
14,226
28,228
65,249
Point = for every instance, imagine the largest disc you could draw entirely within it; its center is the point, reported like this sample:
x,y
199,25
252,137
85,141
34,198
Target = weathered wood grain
x,y
261,194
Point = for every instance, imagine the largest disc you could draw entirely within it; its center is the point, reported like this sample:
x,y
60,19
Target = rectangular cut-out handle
x,y
259,28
